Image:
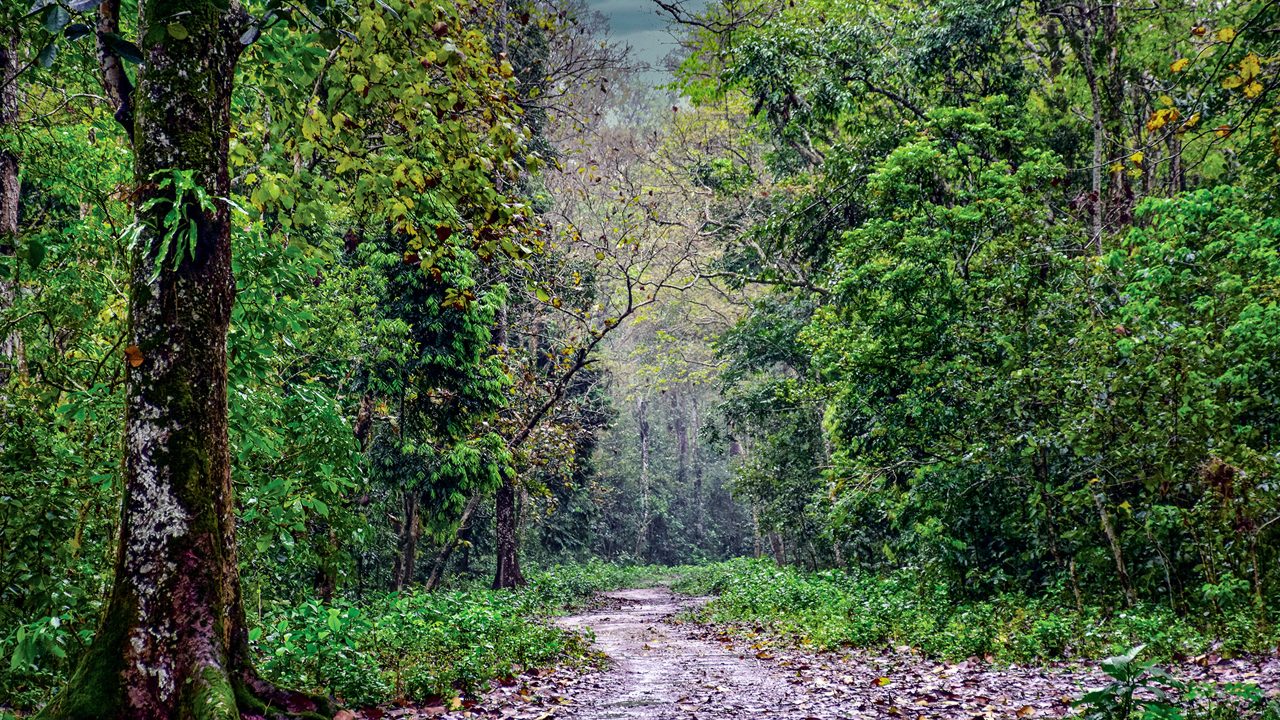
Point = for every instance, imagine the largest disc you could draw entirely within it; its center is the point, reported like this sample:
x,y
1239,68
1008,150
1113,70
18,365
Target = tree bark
x,y
446,552
173,642
695,458
11,343
407,542
508,575
642,533
1117,553
681,428
115,81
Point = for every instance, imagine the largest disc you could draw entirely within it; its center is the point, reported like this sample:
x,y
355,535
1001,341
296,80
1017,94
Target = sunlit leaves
x,y
420,128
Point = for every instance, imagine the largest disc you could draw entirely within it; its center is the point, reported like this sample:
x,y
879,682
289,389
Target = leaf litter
x,y
656,664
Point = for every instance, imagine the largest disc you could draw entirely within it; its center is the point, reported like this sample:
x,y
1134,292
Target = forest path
x,y
660,671
663,669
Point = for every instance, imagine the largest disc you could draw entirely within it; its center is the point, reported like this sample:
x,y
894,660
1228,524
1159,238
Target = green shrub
x,y
830,609
408,645
416,645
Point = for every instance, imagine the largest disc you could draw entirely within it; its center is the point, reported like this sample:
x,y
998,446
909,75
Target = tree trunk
x,y
508,575
115,81
442,559
10,342
1117,553
173,641
699,522
642,533
407,541
757,544
681,428
778,547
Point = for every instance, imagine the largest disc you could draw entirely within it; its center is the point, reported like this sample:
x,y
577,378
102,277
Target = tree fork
x,y
173,642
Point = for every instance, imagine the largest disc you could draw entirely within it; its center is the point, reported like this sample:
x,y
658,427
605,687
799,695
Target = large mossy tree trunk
x,y
173,641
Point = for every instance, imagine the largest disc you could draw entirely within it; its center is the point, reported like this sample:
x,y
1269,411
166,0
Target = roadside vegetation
x,y
407,646
831,609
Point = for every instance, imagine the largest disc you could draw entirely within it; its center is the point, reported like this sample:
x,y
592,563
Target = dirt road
x,y
662,669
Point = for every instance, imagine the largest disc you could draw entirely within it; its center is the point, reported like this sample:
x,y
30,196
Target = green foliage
x,y
566,586
407,646
1141,689
416,645
1137,688
830,609
998,348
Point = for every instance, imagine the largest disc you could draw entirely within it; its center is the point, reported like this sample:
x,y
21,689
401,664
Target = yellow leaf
x,y
1179,65
1226,35
1233,82
1250,66
1166,101
1136,158
882,681
1162,117
1253,89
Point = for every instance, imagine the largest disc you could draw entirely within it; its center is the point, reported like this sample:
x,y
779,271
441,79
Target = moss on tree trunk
x,y
173,641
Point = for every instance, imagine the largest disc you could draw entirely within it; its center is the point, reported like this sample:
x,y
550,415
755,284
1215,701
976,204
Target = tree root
x,y
210,694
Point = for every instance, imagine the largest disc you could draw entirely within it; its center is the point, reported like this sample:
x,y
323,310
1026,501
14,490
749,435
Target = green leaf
x,y
76,31
177,31
35,253
56,18
122,48
47,55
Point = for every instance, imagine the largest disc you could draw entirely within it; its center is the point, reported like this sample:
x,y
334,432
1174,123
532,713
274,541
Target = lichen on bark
x,y
173,641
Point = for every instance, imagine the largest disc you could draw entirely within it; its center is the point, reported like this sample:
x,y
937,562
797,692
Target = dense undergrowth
x,y
413,645
830,609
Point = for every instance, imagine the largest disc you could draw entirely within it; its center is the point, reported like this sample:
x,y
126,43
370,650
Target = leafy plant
x,y
1138,688
179,198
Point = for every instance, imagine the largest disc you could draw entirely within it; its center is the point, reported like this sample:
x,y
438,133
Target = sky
x,y
638,24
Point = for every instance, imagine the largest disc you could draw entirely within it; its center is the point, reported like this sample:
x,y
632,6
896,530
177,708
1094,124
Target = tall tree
x,y
10,342
173,641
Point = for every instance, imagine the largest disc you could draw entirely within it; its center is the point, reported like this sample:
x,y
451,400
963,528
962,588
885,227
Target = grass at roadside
x,y
831,609
386,647
415,645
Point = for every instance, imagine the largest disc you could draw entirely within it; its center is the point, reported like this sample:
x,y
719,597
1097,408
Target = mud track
x,y
660,668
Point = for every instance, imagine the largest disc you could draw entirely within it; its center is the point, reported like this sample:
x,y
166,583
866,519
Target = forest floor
x,y
662,667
